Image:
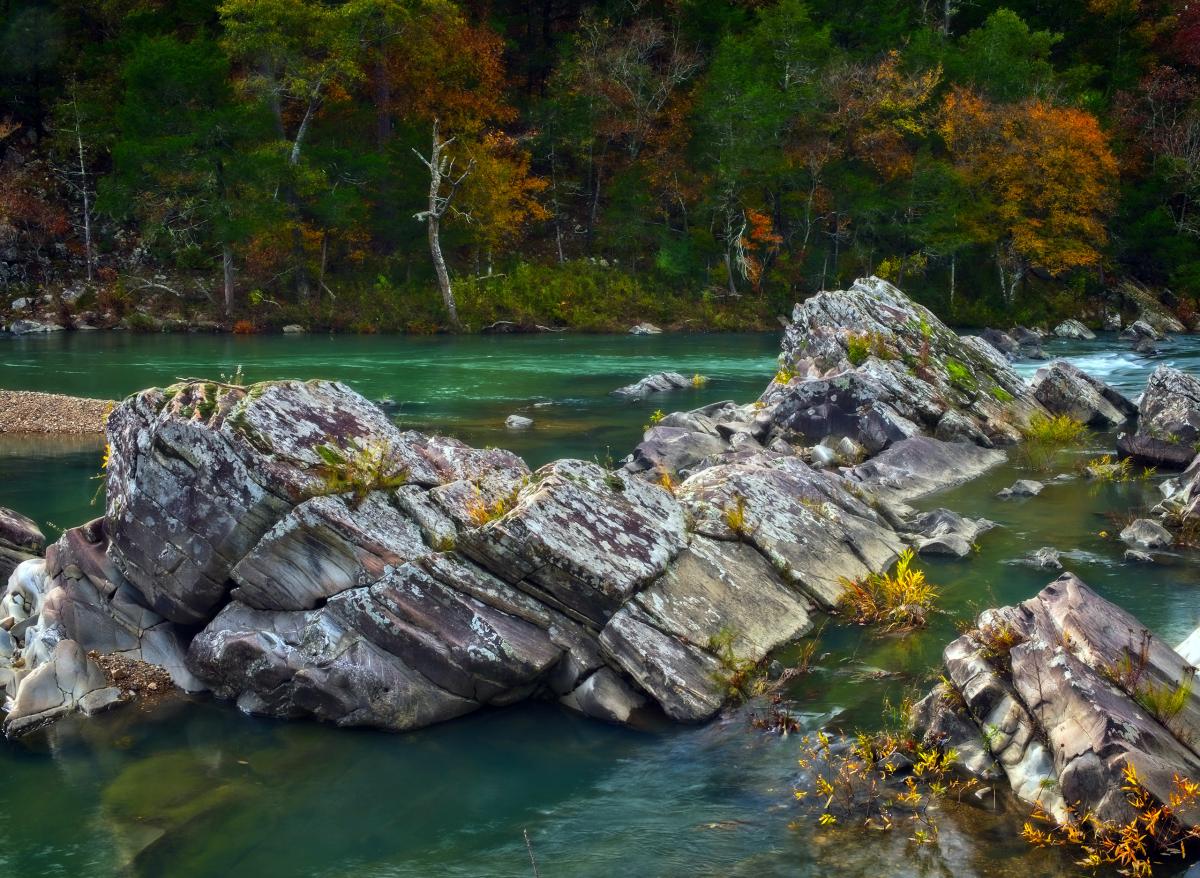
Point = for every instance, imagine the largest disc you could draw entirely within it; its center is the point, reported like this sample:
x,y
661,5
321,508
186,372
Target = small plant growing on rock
x,y
1002,395
1056,431
960,376
358,469
784,375
734,516
656,417
667,482
997,641
897,601
699,380
1153,834
1105,469
737,676
858,348
481,512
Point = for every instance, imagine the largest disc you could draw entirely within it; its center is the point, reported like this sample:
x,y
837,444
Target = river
x,y
201,790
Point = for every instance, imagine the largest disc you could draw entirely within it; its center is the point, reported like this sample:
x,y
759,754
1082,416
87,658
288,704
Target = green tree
x,y
184,155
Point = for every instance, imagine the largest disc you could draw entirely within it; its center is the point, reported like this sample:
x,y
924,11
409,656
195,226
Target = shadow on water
x,y
194,789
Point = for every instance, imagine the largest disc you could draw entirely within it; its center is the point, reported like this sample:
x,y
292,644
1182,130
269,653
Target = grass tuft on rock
x,y
898,601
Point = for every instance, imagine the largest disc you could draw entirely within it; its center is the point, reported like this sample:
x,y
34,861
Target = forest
x,y
430,165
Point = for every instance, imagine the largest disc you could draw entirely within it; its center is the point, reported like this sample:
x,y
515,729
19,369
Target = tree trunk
x,y
953,265
439,267
729,272
227,268
83,189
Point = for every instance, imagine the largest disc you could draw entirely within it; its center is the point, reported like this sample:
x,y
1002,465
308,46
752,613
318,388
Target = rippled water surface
x,y
195,789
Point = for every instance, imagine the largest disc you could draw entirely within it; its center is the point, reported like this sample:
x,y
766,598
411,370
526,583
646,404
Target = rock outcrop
x,y
1168,430
870,364
1065,389
1054,687
288,547
1149,309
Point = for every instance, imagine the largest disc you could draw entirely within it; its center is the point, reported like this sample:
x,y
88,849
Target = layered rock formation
x,y
288,547
1052,694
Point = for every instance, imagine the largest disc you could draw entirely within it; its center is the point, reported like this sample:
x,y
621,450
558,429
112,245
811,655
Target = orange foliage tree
x,y
1046,174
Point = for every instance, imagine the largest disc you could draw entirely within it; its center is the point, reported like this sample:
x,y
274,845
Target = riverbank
x,y
24,411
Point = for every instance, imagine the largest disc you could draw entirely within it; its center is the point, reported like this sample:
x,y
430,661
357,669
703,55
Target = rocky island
x,y
286,547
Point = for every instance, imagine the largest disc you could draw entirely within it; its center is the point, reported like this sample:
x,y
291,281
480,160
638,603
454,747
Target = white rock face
x,y
518,422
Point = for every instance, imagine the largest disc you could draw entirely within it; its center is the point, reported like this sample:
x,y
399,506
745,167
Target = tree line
x,y
988,156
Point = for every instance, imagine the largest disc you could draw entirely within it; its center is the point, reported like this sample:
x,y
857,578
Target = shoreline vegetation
x,y
384,166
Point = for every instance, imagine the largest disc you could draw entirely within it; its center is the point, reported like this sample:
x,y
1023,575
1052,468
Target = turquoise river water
x,y
193,788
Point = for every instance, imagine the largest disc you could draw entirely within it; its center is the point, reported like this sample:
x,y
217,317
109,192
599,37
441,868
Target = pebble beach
x,y
30,412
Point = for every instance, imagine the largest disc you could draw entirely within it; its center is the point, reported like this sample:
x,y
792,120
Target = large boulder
x,y
920,466
870,364
1168,430
814,529
1065,389
582,539
1056,688
20,540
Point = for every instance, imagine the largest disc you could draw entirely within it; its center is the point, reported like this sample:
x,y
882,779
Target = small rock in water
x,y
1046,558
645,329
1145,347
1137,556
1073,329
1146,534
1022,488
518,422
294,329
28,327
656,383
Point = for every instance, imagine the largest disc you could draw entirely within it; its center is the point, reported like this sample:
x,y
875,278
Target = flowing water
x,y
193,788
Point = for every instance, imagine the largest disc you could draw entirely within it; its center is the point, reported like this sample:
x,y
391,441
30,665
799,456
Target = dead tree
x,y
442,187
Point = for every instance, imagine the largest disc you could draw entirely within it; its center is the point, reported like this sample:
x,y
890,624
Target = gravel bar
x,y
25,411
